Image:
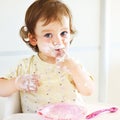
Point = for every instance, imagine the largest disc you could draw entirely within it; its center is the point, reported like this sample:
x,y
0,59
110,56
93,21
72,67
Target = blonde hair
x,y
46,10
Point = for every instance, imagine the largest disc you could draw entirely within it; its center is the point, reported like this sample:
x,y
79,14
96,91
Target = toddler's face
x,y
53,39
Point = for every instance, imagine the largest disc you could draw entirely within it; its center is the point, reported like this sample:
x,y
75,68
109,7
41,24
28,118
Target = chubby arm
x,y
7,87
82,80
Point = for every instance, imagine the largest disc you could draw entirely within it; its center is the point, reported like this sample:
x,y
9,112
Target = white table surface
x,y
91,108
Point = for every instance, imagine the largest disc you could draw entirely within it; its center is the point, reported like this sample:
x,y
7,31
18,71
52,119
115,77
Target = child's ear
x,y
32,39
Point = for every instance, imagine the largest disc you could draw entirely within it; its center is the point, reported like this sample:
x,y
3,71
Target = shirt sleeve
x,y
17,70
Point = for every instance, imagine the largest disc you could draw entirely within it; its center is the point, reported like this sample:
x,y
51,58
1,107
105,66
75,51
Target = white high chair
x,y
12,105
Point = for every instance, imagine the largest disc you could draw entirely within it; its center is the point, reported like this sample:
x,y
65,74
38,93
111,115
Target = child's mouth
x,y
59,52
60,55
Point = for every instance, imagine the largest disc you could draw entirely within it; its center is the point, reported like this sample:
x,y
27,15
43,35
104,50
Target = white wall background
x,y
87,46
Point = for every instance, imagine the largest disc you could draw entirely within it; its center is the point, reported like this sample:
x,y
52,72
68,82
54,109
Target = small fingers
x,y
29,86
30,83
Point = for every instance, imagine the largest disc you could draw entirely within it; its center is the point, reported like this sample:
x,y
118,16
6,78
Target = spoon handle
x,y
92,115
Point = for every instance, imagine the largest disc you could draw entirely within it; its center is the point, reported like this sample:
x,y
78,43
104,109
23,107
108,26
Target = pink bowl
x,y
62,111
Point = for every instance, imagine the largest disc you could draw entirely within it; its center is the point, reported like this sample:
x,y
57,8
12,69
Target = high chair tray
x,y
91,108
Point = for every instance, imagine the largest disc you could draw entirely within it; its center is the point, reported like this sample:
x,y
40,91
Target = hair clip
x,y
26,39
25,29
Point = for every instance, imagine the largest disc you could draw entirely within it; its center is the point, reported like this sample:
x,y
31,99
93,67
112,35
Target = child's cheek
x,y
47,49
67,43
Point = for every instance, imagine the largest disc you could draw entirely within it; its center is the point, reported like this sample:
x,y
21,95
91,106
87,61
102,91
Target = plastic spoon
x,y
92,115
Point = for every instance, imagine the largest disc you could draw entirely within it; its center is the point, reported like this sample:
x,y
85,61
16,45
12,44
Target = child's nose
x,y
58,41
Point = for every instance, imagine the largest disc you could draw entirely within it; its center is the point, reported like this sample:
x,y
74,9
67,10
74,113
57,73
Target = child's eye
x,y
48,35
64,33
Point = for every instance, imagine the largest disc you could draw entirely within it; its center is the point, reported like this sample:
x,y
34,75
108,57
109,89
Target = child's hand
x,y
66,64
27,82
63,61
